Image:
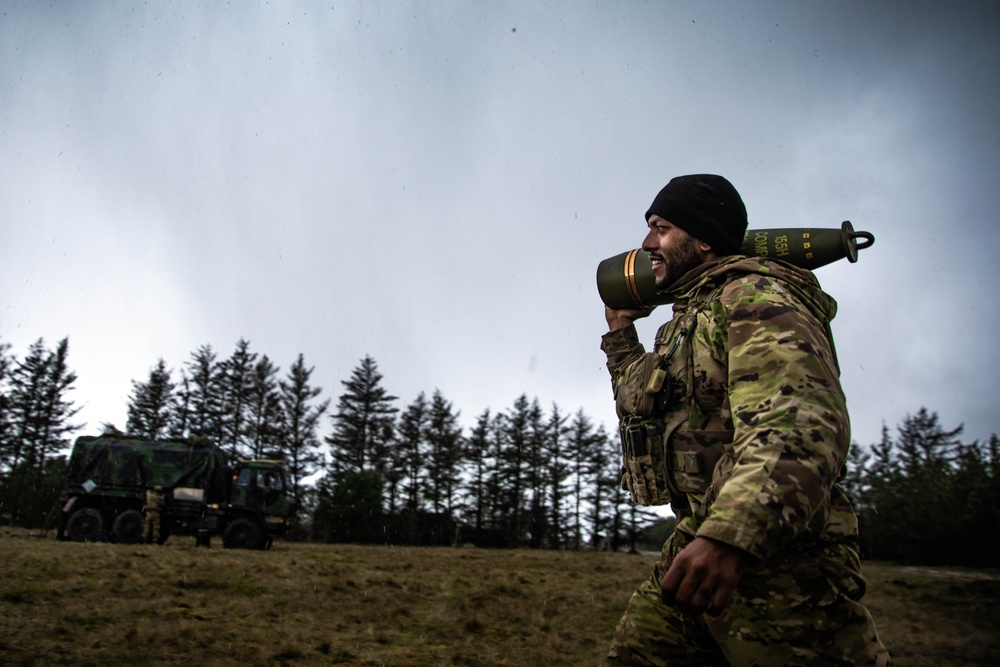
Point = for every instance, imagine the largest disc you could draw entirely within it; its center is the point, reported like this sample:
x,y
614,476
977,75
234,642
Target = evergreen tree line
x,y
410,473
387,472
927,497
36,420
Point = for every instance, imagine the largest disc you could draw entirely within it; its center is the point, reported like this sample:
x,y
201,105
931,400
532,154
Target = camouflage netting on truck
x,y
131,465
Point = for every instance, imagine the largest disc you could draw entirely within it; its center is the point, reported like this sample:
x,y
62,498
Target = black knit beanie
x,y
707,207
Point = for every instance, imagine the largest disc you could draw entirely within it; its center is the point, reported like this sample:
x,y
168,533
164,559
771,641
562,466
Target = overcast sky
x,y
433,184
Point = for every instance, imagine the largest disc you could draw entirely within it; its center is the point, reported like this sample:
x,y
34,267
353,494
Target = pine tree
x,y
500,515
28,380
445,455
606,495
974,512
479,449
884,465
38,407
150,408
557,469
180,423
991,499
927,453
410,455
6,440
205,395
39,413
854,481
884,480
265,419
511,473
538,511
622,513
301,419
363,424
924,444
583,447
918,493
57,408
349,508
41,488
857,486
634,519
235,380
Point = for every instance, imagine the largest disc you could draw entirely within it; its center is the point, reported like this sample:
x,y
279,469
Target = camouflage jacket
x,y
155,500
744,428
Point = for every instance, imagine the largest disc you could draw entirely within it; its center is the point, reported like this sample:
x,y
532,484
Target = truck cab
x,y
258,508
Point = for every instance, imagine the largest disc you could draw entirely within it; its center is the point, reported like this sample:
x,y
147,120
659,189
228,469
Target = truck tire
x,y
127,527
85,525
242,534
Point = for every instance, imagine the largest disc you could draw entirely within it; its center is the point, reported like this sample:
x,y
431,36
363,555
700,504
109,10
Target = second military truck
x,y
245,502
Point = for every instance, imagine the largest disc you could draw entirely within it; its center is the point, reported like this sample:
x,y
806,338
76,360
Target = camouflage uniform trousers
x,y
152,528
800,608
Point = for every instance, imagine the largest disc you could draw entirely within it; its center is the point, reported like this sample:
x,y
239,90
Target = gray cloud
x,y
434,185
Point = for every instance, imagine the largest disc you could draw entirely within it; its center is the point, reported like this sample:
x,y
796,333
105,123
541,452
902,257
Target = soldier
x,y
738,421
152,528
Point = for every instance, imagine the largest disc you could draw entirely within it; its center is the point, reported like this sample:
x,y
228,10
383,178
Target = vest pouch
x,y
643,469
639,386
693,455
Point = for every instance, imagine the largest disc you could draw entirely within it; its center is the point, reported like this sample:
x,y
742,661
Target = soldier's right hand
x,y
704,575
619,319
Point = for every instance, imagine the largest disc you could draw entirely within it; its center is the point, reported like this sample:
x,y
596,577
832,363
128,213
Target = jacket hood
x,y
800,282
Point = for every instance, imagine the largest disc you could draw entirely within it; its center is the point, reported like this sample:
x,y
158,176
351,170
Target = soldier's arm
x,y
620,344
790,419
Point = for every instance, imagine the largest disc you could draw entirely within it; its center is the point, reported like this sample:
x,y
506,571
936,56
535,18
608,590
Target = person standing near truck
x,y
152,528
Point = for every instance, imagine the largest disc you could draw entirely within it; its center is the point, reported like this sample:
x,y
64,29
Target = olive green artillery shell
x,y
626,280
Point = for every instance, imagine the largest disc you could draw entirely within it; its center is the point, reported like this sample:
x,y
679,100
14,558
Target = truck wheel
x,y
241,534
127,527
85,525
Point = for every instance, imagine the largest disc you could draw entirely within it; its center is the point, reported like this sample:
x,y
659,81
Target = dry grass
x,y
100,604
934,617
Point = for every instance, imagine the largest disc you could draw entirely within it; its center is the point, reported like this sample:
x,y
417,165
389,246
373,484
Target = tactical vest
x,y
670,443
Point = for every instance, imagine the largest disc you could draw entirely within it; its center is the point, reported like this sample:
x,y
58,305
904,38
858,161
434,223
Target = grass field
x,y
299,604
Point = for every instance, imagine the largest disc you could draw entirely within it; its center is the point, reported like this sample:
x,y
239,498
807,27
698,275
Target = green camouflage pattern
x,y
129,466
152,525
760,388
752,434
110,475
801,608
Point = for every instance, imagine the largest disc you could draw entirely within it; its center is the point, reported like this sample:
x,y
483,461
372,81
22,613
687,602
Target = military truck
x,y
108,477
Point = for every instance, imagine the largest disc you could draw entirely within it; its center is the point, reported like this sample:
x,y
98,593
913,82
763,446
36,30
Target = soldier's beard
x,y
679,260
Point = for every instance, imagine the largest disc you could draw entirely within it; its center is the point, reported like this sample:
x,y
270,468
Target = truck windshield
x,y
270,479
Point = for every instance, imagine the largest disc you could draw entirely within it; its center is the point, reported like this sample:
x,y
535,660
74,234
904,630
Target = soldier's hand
x,y
619,319
703,576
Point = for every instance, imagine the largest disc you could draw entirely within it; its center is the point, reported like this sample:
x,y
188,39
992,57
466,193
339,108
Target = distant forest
x,y
410,473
